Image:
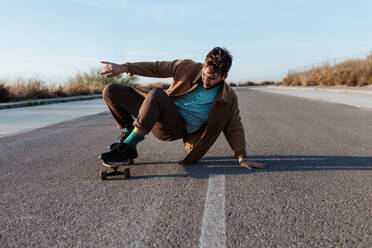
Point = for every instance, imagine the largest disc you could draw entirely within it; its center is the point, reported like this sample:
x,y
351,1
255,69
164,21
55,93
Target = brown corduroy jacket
x,y
223,117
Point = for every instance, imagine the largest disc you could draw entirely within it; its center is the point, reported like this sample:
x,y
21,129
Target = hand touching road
x,y
112,70
250,165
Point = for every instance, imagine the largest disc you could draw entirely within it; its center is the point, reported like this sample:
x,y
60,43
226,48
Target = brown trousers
x,y
156,113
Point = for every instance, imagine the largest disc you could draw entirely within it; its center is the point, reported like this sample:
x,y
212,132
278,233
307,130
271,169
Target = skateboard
x,y
115,169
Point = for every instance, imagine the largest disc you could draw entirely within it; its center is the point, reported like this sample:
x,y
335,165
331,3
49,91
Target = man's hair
x,y
218,60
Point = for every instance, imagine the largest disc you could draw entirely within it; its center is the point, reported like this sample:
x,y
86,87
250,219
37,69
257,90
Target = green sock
x,y
133,139
127,129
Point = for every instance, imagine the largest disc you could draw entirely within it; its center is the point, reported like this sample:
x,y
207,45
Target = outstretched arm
x,y
234,133
160,69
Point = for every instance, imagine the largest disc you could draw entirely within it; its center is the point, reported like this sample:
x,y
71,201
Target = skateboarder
x,y
197,107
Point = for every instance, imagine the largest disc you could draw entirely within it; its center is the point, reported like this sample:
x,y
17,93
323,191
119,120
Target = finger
x,y
106,62
259,166
105,71
246,166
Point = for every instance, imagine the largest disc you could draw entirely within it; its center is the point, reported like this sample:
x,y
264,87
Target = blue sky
x,y
54,40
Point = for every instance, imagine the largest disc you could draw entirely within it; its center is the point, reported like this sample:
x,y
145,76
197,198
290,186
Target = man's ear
x,y
225,76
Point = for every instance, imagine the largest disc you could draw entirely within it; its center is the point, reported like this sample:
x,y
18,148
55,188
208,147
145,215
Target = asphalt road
x,y
317,191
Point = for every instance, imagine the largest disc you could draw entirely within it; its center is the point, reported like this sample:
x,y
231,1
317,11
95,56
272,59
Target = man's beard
x,y
208,88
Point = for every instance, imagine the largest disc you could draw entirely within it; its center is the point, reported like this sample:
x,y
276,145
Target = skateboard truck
x,y
115,167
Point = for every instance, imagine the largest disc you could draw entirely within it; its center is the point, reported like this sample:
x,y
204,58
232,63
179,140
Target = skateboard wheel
x,y
127,172
103,175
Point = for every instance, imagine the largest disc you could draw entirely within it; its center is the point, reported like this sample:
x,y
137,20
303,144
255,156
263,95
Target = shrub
x,y
4,93
81,84
58,91
266,82
33,88
93,83
156,85
351,73
247,83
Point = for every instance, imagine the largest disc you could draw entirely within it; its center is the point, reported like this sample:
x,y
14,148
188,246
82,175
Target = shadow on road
x,y
229,166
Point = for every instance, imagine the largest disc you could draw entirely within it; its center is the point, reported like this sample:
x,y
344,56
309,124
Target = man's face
x,y
211,79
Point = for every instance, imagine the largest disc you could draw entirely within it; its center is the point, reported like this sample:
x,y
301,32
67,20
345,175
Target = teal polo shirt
x,y
195,106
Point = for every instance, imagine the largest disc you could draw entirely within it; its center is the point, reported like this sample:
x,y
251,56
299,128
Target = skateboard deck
x,y
114,166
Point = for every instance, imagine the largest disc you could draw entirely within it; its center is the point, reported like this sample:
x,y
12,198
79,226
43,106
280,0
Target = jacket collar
x,y
222,95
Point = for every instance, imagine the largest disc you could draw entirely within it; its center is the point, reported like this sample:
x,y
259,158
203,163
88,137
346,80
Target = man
x,y
197,107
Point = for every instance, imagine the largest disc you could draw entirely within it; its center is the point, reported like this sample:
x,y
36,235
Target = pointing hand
x,y
112,70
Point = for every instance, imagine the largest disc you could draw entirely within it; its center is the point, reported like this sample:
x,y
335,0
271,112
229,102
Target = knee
x,y
107,91
156,93
112,90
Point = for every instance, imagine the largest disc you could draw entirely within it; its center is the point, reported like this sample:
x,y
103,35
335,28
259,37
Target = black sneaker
x,y
121,153
121,138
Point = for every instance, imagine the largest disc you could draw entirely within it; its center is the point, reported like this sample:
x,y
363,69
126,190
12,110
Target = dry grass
x,y
251,83
160,85
4,93
93,83
34,88
357,72
22,89
247,83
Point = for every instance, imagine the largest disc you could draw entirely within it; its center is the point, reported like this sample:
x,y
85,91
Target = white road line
x,y
213,232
